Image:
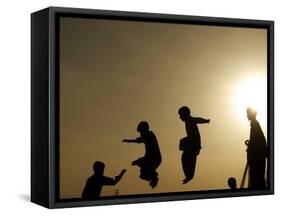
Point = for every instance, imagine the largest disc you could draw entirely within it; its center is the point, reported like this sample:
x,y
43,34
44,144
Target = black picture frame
x,y
45,104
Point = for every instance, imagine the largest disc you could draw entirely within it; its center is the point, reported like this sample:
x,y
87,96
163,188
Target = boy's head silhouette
x,y
251,113
184,113
98,167
232,183
143,127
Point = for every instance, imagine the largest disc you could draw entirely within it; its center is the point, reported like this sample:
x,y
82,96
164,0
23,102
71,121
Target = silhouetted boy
x,y
152,158
94,183
191,144
232,183
256,152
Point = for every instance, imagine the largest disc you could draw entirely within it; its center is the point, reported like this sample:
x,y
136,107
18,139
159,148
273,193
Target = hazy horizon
x,y
114,74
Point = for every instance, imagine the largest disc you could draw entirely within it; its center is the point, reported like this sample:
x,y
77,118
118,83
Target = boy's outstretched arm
x,y
111,181
202,120
137,140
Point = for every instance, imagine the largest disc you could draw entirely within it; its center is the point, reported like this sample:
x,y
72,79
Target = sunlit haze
x,y
114,74
251,92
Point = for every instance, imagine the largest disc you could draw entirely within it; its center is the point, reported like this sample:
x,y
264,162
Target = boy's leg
x,y
184,162
192,166
188,165
138,162
154,179
145,169
148,172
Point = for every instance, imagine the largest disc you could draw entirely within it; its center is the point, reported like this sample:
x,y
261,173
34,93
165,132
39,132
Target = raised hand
x,y
122,172
118,178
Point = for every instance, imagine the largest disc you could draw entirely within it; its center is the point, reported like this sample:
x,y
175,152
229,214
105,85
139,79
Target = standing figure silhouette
x,y
152,158
256,152
94,183
191,144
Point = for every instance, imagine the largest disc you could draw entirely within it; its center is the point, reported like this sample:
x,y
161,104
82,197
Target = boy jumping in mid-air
x,y
191,144
152,158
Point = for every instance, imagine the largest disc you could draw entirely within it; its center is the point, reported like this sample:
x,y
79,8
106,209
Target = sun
x,y
251,92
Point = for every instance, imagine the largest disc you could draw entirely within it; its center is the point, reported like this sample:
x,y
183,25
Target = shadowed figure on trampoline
x,y
152,158
191,144
95,183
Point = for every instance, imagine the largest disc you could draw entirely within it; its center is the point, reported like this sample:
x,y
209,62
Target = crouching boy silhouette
x,y
94,183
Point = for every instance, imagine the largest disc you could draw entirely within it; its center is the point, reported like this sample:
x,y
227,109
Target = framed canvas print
x,y
139,107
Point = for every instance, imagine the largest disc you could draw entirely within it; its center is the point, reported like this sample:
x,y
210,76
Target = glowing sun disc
x,y
251,92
